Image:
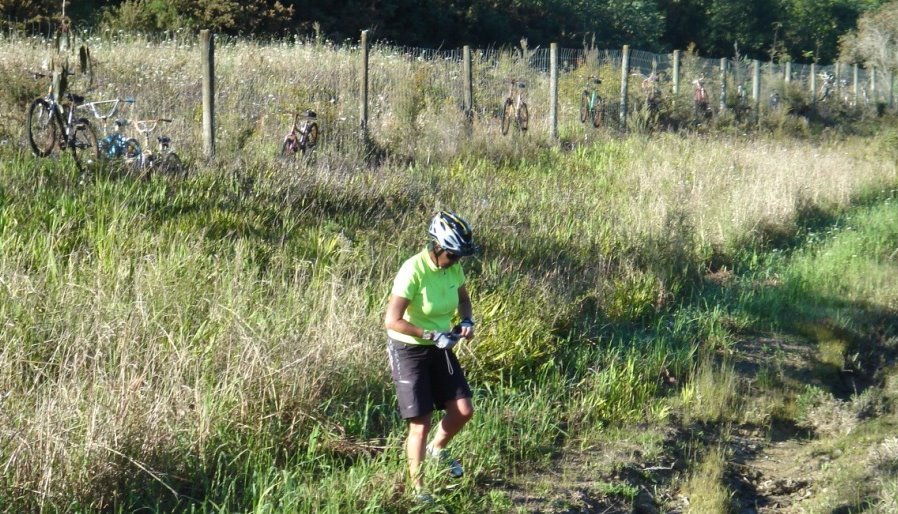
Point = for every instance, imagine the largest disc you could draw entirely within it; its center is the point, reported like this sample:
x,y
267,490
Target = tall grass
x,y
216,343
705,489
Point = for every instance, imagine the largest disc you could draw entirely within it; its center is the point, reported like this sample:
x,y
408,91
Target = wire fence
x,y
416,96
435,76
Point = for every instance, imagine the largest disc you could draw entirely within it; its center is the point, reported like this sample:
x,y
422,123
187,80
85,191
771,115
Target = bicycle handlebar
x,y
149,125
95,107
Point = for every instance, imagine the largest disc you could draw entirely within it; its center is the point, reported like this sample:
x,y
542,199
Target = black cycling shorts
x,y
426,377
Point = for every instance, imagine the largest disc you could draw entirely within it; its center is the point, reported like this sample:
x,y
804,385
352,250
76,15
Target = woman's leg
x,y
458,412
415,444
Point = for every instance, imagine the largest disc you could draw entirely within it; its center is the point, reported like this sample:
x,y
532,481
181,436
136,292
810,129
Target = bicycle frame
x,y
829,83
517,94
651,90
594,93
103,110
53,123
591,103
65,114
515,107
303,134
163,143
112,145
699,95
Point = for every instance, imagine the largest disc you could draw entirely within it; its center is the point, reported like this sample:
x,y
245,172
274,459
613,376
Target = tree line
x,y
799,30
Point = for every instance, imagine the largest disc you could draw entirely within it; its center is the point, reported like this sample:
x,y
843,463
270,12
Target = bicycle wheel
x,y
289,148
507,115
598,113
84,144
312,135
131,151
523,117
42,128
172,166
584,107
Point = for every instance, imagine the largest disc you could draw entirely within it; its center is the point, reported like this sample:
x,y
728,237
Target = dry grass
x,y
118,370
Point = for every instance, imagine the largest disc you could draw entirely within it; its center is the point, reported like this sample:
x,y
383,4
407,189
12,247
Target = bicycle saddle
x,y
310,114
163,140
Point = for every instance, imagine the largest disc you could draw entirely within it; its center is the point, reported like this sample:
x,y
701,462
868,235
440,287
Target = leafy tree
x,y
814,26
794,28
875,41
144,16
797,29
638,23
221,15
753,25
28,10
713,26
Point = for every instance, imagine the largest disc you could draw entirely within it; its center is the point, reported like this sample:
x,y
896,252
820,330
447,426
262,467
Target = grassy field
x,y
215,344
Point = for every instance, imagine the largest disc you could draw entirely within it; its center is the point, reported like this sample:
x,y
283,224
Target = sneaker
x,y
455,469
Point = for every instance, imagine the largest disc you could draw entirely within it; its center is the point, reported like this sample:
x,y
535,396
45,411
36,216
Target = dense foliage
x,y
875,41
767,29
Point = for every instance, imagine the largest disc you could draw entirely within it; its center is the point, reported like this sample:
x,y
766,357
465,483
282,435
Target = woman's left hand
x,y
467,328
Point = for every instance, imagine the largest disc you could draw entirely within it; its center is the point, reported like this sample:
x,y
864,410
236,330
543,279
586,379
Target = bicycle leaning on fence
x,y
303,134
515,108
700,102
651,91
51,123
592,105
163,158
829,85
775,100
116,144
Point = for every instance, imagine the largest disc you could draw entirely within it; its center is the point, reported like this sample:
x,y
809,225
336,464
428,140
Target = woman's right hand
x,y
446,340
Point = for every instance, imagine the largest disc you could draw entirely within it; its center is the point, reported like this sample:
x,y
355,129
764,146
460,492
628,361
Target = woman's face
x,y
445,258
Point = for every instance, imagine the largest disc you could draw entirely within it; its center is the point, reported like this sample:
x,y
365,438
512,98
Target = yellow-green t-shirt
x,y
432,293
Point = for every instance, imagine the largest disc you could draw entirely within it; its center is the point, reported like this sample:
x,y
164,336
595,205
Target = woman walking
x,y
427,292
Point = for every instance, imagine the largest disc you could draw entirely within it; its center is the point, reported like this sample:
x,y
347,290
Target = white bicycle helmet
x,y
453,234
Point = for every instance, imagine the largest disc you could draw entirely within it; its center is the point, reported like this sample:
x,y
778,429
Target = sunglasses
x,y
453,256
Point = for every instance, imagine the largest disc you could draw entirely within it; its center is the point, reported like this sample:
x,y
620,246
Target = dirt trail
x,y
774,468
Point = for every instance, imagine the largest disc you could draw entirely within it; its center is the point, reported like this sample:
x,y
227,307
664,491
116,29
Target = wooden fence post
x,y
756,84
813,84
891,88
872,86
788,76
839,80
625,75
855,77
468,78
676,75
363,87
208,48
553,91
723,84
